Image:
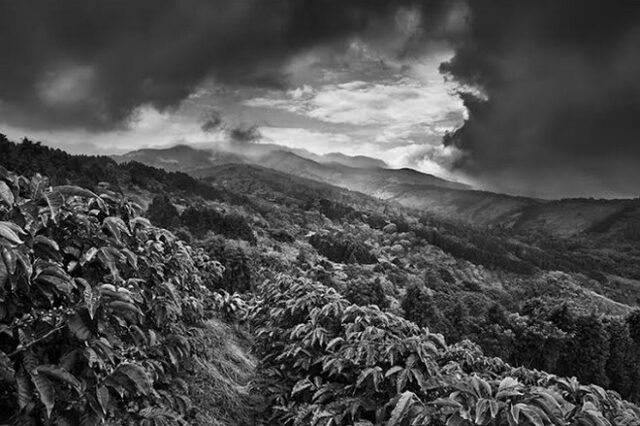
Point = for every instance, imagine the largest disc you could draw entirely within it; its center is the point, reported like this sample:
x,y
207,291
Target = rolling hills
x,y
315,266
410,188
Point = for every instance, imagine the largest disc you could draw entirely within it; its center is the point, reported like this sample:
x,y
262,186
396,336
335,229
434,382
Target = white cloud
x,y
397,112
398,105
314,141
150,129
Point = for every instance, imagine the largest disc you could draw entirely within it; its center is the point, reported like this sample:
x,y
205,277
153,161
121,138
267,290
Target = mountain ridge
x,y
407,187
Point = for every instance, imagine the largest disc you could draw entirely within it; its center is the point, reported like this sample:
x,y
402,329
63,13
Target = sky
x,y
531,97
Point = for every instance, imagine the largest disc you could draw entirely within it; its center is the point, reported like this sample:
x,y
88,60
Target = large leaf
x,y
10,259
103,397
45,389
25,389
137,375
80,326
116,227
7,373
74,191
60,374
54,202
8,233
402,406
6,194
58,281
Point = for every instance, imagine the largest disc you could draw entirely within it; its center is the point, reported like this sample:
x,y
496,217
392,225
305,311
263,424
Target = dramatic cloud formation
x,y
91,64
562,87
397,111
550,87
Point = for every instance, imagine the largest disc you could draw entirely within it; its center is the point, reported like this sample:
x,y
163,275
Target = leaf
x,y
10,259
92,300
155,413
301,386
63,285
446,402
79,327
47,245
515,412
482,409
25,389
126,307
116,227
531,414
455,420
107,256
46,391
493,405
399,411
55,202
6,194
137,375
27,267
4,276
393,370
103,397
89,255
7,373
7,232
74,191
334,342
60,374
508,383
482,388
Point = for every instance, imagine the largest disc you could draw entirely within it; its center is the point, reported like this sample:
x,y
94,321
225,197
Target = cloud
x,y
315,141
92,64
212,122
149,129
561,96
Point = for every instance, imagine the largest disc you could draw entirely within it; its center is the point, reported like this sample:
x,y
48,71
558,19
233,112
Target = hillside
x,y
411,189
331,289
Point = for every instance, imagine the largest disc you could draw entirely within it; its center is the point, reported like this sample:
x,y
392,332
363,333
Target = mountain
x,y
179,158
360,173
407,187
357,161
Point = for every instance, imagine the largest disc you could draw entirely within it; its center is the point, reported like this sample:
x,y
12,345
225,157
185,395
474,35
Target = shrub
x,y
99,312
365,293
324,361
342,250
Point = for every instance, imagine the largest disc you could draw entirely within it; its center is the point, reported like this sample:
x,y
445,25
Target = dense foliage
x,y
100,312
103,316
328,362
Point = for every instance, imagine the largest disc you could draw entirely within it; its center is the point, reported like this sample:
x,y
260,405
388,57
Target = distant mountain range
x,y
407,187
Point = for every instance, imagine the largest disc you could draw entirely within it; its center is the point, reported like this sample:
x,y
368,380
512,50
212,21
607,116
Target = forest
x,y
130,295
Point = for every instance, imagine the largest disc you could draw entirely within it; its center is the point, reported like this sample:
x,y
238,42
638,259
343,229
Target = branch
x,y
22,348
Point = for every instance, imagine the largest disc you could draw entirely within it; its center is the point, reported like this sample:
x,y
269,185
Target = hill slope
x,y
411,189
512,293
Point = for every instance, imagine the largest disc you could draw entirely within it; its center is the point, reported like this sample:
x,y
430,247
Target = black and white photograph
x,y
320,212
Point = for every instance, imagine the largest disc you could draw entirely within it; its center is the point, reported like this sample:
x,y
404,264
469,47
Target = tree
x,y
366,292
633,323
162,212
585,356
420,308
621,364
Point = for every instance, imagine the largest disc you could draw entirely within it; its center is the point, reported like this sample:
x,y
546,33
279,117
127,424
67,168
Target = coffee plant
x,y
99,311
327,362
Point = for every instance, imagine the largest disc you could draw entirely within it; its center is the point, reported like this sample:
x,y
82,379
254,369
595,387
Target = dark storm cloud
x,y
212,122
90,63
562,80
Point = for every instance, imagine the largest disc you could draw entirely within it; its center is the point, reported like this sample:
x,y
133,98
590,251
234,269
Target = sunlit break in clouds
x,y
538,98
